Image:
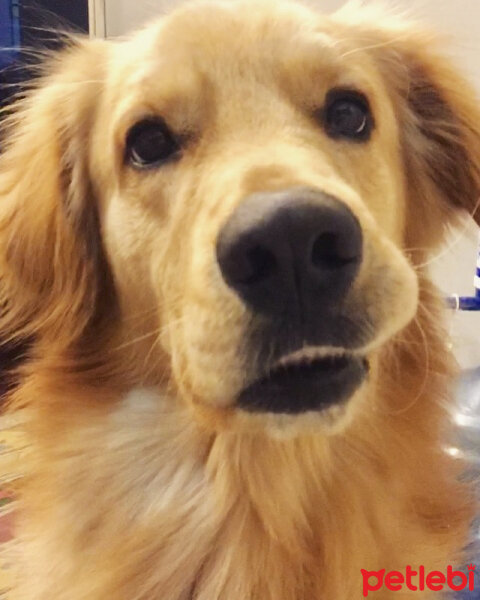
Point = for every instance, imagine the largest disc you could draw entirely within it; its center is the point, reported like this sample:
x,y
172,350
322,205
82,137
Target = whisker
x,y
427,372
461,234
140,338
157,331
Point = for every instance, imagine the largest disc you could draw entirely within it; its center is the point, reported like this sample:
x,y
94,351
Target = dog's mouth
x,y
306,380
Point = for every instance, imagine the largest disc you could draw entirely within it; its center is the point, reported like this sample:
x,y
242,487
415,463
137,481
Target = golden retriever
x,y
216,234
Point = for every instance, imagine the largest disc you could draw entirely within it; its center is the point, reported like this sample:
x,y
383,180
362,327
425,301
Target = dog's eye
x,y
347,115
150,143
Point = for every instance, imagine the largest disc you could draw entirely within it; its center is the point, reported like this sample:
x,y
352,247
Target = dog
x,y
215,235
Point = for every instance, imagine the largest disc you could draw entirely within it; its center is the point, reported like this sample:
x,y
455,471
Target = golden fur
x,y
144,482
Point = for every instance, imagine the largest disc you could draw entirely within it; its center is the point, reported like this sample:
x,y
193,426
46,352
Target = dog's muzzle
x,y
291,257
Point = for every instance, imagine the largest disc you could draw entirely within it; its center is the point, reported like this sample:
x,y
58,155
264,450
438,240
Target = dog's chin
x,y
283,426
309,380
309,390
312,390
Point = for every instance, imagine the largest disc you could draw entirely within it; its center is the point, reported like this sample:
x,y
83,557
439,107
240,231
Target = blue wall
x,y
9,30
6,37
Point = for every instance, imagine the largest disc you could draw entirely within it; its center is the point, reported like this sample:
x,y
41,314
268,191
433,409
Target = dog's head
x,y
242,191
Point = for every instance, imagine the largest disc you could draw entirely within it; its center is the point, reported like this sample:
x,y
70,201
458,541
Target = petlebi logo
x,y
418,580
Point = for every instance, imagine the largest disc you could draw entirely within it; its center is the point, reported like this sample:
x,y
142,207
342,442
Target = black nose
x,y
294,251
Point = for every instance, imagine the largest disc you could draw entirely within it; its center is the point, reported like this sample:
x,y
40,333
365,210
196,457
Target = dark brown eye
x,y
347,115
150,143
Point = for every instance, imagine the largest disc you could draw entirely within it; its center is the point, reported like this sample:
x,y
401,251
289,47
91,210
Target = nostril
x,y
328,252
260,263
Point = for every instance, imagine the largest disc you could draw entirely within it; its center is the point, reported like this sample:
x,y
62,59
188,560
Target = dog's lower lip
x,y
297,386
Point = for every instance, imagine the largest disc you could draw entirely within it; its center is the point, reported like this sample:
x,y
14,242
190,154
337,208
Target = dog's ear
x,y
438,114
52,267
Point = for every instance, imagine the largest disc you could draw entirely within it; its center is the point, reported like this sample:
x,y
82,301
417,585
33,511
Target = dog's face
x,y
260,206
260,174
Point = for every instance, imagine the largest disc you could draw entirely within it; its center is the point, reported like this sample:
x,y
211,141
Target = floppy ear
x,y
52,267
439,119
